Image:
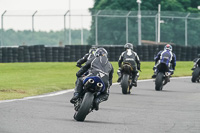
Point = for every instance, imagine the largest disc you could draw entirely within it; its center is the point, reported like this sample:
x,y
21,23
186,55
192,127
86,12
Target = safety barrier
x,y
71,53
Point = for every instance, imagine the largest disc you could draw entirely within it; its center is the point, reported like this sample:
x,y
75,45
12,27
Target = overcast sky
x,y
45,4
18,23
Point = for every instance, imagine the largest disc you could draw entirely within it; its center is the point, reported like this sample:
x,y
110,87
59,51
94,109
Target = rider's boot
x,y
78,89
96,103
134,79
155,73
74,98
195,66
99,99
119,75
168,78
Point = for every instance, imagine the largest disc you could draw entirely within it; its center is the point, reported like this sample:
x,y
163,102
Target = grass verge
x,y
18,80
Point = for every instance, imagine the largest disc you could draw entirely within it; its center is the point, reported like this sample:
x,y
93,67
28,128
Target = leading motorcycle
x,y
93,86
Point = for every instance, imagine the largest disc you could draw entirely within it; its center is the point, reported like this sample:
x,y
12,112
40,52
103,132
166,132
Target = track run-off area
x,y
176,109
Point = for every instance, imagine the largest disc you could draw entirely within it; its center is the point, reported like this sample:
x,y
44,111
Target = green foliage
x,y
27,37
112,30
131,5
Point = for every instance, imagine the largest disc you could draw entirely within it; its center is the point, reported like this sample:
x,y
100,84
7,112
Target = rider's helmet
x,y
128,46
92,50
101,52
168,47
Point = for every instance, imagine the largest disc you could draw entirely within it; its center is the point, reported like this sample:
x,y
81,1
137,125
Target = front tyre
x,y
159,82
195,74
85,107
125,84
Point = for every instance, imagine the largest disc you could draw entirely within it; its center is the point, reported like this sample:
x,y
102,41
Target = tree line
x,y
113,30
54,38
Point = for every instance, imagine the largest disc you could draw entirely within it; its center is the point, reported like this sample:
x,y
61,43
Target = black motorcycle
x,y
85,104
162,77
126,81
196,73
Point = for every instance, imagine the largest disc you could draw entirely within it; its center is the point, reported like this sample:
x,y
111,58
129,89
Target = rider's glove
x,y
78,74
78,65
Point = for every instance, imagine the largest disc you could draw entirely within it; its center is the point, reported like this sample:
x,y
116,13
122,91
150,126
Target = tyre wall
x,y
71,53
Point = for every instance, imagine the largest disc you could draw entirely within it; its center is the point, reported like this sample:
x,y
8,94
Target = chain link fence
x,y
98,28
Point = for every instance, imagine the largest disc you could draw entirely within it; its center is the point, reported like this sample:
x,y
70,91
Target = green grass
x,y
18,80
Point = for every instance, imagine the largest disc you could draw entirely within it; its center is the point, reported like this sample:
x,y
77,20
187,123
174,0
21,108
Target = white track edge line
x,y
71,90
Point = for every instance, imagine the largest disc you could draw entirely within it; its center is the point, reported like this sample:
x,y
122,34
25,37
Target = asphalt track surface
x,y
176,109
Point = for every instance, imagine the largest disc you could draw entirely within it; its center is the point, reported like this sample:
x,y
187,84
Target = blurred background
x,y
100,27
99,22
64,30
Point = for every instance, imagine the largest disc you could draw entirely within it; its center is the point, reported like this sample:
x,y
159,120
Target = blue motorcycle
x,y
93,86
162,77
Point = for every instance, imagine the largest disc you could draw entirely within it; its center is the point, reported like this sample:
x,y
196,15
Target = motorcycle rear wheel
x,y
195,75
159,82
85,107
125,84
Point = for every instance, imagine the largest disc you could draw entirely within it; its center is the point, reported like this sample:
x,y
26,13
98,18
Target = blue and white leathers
x,y
166,57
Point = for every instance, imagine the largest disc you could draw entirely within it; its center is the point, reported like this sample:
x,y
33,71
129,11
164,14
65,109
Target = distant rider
x,y
132,58
166,56
86,57
97,66
196,62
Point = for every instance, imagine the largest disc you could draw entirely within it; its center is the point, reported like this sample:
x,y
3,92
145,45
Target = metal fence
x,y
99,27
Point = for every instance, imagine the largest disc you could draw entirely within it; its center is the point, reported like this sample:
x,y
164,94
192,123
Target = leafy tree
x,y
113,30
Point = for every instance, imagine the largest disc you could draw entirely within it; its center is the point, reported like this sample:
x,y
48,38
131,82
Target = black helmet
x,y
168,47
128,46
92,50
101,52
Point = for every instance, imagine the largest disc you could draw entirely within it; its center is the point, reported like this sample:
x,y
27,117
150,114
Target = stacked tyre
x,y
49,54
55,54
67,53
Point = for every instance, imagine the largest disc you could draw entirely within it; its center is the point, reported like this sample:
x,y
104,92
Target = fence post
x,y
96,28
139,23
33,30
159,23
69,22
81,29
186,28
156,28
2,30
127,26
65,26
